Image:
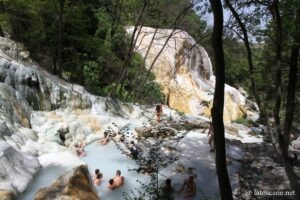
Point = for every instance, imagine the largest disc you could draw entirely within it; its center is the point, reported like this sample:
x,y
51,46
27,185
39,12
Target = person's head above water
x,y
111,181
118,173
132,142
99,176
97,171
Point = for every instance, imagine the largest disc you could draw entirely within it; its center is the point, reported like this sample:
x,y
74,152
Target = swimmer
x,y
111,184
189,187
105,139
79,150
97,180
97,172
118,179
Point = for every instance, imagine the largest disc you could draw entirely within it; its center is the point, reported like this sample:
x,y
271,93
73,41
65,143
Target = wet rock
x,y
75,184
16,168
41,90
4,130
13,107
144,131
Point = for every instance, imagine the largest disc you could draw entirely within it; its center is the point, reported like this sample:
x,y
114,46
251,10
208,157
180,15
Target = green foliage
x,y
243,120
236,63
94,42
163,14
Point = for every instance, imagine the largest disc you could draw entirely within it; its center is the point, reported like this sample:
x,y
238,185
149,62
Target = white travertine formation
x,y
184,71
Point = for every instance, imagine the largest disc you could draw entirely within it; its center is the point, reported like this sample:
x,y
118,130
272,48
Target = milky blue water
x,y
108,159
44,178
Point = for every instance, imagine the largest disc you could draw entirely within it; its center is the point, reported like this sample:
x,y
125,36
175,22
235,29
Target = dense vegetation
x,y
85,41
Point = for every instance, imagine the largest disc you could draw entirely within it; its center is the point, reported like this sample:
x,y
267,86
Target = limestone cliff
x,y
184,71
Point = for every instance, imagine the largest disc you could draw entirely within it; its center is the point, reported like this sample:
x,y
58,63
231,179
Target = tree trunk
x,y
127,61
1,32
144,64
283,139
181,14
60,38
289,110
250,62
218,102
278,81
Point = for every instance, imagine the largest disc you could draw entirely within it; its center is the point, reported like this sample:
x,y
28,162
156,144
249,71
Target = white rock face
x,y
64,159
16,168
184,71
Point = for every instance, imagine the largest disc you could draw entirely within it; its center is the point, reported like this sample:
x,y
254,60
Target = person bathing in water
x,y
134,150
79,149
111,184
97,177
189,187
117,181
159,111
167,190
97,180
105,139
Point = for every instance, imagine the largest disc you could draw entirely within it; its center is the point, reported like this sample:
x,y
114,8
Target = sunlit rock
x,y
75,184
7,195
184,72
61,158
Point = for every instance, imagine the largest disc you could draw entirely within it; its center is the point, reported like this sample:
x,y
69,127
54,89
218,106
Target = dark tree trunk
x,y
290,100
1,32
278,81
134,37
218,103
60,39
178,18
250,62
144,63
283,138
